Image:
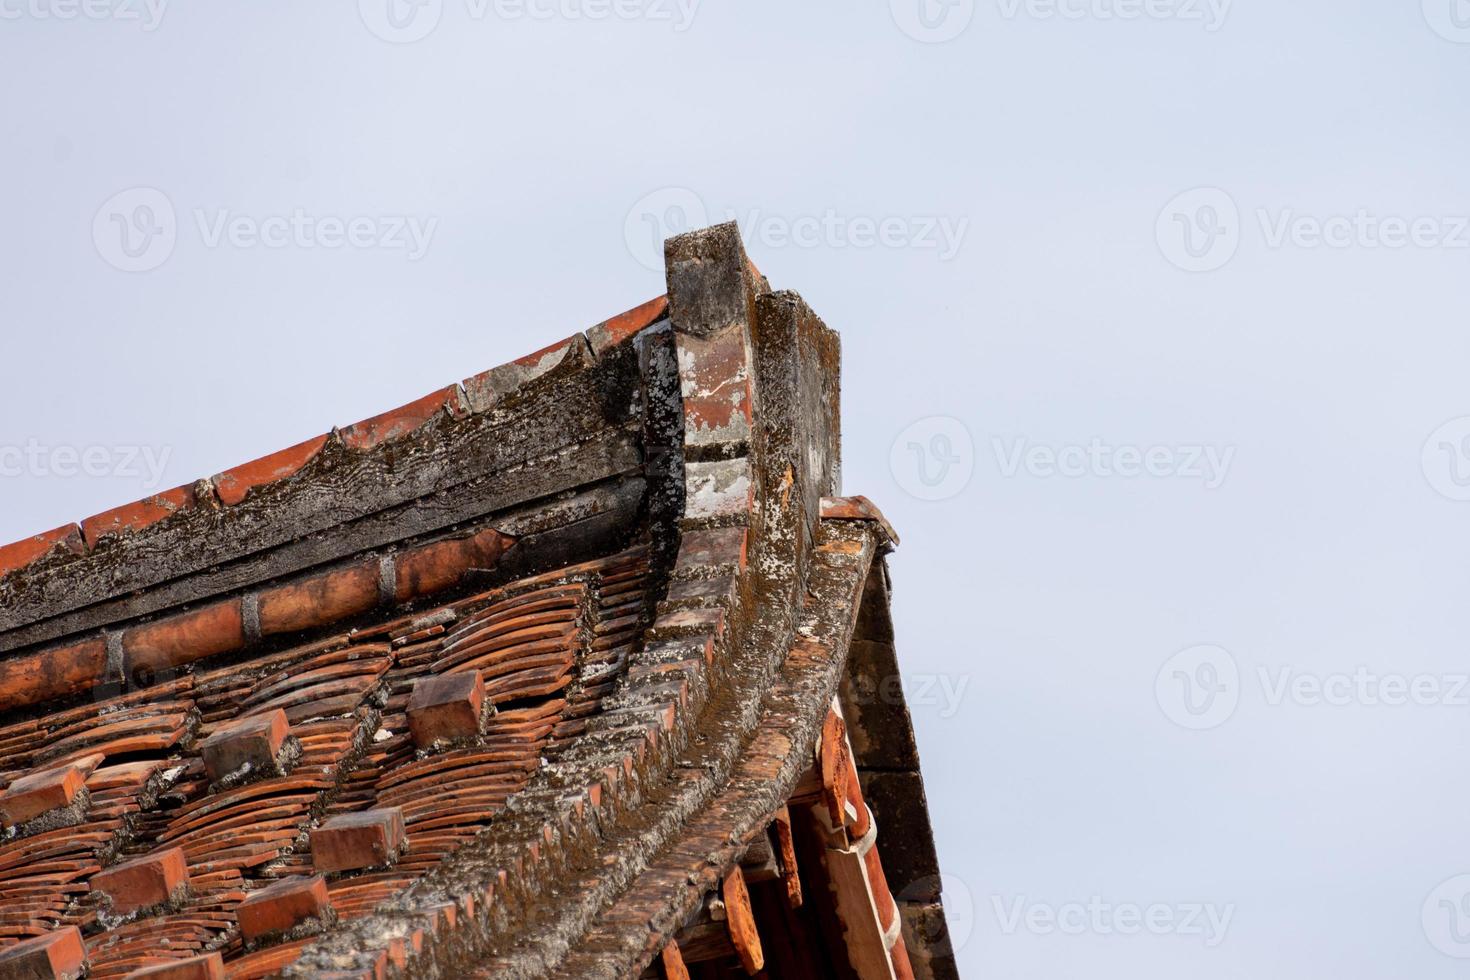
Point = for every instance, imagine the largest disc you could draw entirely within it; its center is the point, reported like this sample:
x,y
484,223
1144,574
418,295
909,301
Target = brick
x,y
434,567
138,515
857,508
233,485
144,882
207,967
486,390
58,955
39,793
720,490
395,424
704,551
710,283
254,741
717,380
353,841
446,707
283,906
178,640
14,557
319,599
54,673
614,330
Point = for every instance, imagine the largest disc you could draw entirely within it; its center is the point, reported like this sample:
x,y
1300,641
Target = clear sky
x,y
1153,316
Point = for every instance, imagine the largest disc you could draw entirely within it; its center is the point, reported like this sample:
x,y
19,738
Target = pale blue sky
x,y
1027,288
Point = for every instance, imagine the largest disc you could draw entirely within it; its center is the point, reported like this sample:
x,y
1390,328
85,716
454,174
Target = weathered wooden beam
x,y
741,922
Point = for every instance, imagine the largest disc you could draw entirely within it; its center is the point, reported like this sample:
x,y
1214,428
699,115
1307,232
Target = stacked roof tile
x,y
549,673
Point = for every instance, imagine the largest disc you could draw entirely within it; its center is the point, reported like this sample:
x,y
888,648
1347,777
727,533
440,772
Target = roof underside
x,y
630,541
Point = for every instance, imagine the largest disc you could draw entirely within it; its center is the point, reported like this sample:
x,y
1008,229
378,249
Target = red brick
x,y
721,490
58,955
856,508
446,707
208,967
20,554
54,673
319,599
716,376
138,515
144,882
282,906
255,740
713,548
401,421
615,330
487,389
352,841
39,793
182,639
233,485
434,567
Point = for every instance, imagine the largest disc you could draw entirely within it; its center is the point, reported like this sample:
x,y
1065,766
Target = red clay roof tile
x,y
138,515
399,422
234,484
22,553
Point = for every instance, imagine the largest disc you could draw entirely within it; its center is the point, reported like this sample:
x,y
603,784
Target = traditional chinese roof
x,y
582,667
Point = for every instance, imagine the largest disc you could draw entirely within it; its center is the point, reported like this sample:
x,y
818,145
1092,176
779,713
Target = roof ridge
x,y
230,487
